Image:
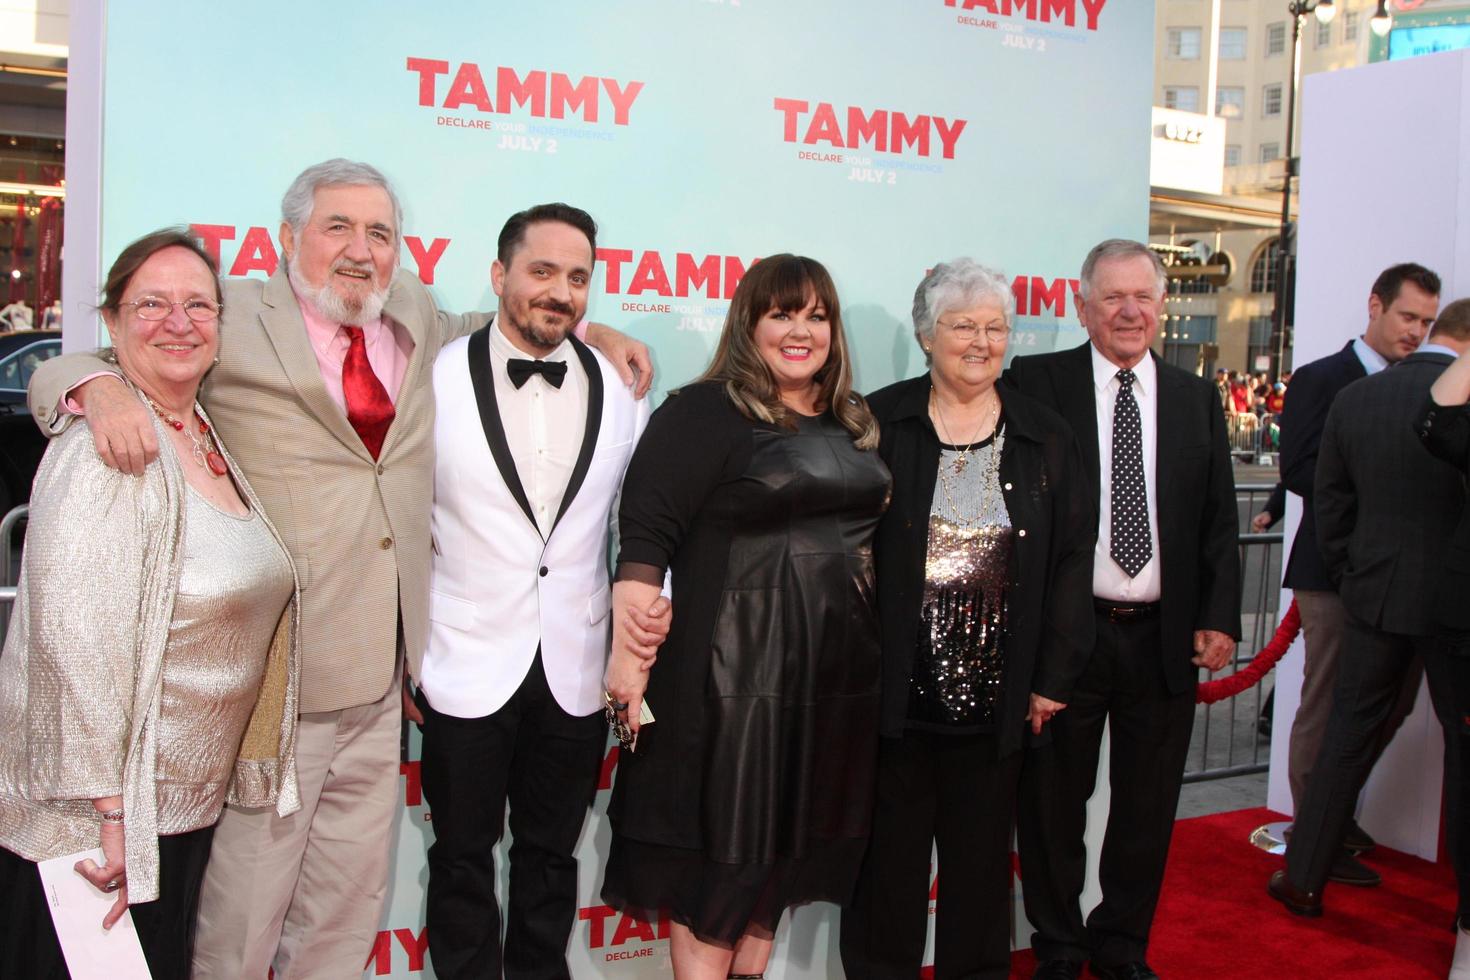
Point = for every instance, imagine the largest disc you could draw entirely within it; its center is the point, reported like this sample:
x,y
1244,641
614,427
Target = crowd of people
x,y
1252,404
277,516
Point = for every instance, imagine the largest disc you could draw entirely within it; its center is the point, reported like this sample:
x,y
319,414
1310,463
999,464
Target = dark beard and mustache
x,y
545,338
335,308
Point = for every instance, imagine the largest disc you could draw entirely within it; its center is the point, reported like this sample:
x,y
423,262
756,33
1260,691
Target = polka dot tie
x,y
1131,547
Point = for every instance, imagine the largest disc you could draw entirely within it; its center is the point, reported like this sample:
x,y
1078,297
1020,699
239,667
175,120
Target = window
x,y
1183,97
1263,272
1184,340
1324,34
1230,101
1232,44
1261,340
1270,152
1350,21
1232,155
1275,39
1271,100
17,367
1183,44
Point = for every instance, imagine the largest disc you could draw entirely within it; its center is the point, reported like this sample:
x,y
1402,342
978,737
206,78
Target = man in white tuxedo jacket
x,y
533,432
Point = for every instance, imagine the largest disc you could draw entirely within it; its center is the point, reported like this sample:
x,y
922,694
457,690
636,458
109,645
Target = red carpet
x,y
1216,920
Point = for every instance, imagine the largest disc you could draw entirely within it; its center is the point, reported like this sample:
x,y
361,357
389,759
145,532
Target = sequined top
x,y
959,663
81,677
234,582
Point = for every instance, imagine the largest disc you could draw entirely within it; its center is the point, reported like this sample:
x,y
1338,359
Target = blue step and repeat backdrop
x,y
879,136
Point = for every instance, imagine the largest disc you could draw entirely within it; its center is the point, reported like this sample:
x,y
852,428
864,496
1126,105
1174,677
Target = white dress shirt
x,y
1372,361
1109,581
543,424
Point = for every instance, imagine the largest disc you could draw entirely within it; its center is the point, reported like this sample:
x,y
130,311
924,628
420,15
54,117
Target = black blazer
x,y
1199,528
1445,432
1385,507
1308,399
1050,628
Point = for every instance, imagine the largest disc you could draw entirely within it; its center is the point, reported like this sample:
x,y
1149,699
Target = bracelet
x,y
111,816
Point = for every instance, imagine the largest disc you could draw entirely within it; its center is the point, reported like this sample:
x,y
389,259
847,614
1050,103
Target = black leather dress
x,y
752,790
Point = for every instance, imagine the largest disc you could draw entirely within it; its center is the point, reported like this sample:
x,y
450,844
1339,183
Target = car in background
x,y
21,443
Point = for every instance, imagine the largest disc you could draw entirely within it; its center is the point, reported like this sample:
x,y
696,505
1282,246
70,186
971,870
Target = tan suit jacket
x,y
357,529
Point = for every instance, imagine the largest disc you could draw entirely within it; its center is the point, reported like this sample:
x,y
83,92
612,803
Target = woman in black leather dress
x,y
759,487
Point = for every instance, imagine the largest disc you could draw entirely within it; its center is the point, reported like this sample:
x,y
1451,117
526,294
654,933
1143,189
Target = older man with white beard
x,y
324,394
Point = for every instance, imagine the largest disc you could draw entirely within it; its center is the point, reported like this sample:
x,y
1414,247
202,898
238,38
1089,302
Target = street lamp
x,y
1382,20
1325,11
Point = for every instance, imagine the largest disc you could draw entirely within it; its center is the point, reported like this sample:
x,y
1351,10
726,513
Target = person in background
x,y
1402,303
1443,425
750,789
149,674
1387,510
984,562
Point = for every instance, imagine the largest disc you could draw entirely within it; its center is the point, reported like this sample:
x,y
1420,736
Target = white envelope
x,y
77,908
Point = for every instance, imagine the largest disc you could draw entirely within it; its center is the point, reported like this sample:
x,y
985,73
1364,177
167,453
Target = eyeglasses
x,y
158,308
995,333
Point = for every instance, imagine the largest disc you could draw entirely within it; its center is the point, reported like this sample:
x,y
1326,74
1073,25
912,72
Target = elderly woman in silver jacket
x,y
150,671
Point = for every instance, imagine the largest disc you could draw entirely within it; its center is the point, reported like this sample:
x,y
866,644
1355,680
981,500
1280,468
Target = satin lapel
x,y
1170,421
484,384
1078,405
400,311
594,423
281,317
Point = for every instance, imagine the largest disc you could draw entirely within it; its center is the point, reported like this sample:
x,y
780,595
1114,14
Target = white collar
x,y
1105,371
1372,361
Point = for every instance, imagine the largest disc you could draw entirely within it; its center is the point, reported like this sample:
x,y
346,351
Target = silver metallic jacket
x,y
81,673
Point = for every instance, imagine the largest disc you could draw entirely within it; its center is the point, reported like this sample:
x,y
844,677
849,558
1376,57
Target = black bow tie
x,y
521,370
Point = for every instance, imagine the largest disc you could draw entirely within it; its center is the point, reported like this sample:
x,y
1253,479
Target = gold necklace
x,y
989,481
962,457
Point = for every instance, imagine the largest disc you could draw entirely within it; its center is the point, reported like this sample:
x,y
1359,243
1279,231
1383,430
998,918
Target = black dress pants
x,y
953,791
28,944
1149,730
545,763
1370,674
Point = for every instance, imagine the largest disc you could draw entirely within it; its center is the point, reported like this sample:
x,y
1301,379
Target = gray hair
x,y
1118,248
300,199
956,285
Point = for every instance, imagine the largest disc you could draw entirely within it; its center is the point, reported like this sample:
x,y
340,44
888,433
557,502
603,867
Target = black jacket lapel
x,y
484,385
1077,402
594,423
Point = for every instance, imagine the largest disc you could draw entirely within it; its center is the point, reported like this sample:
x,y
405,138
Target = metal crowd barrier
x,y
10,564
1252,437
1227,740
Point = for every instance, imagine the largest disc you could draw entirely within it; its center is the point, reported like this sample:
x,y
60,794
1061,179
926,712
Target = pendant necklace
x,y
962,457
206,449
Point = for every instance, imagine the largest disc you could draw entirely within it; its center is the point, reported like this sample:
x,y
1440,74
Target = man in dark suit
x,y
1386,510
1153,441
1403,301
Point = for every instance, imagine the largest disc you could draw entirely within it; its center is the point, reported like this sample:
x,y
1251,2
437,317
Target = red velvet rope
x,y
1227,687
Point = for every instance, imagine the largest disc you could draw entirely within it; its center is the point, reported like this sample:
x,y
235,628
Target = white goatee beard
x,y
332,306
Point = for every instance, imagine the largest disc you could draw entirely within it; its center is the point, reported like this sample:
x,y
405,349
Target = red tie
x,y
368,407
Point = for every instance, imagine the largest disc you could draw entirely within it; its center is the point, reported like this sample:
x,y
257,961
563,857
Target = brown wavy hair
x,y
787,283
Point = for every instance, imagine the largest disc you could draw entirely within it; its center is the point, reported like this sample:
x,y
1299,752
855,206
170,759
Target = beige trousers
x,y
304,894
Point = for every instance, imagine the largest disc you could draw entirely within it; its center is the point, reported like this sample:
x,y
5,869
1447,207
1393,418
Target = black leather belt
x,y
1124,612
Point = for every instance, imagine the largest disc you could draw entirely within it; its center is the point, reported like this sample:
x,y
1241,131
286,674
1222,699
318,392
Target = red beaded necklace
x,y
206,450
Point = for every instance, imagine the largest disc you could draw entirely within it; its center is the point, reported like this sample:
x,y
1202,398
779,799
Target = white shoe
x,y
1460,967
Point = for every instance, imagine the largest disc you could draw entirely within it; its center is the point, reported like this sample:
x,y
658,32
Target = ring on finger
x,y
112,885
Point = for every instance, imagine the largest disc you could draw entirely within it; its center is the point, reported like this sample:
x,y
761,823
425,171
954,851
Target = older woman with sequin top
x,y
984,564
149,675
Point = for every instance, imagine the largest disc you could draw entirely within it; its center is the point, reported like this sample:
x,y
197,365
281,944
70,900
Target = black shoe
x,y
1348,870
1356,840
1297,901
1125,971
1057,970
